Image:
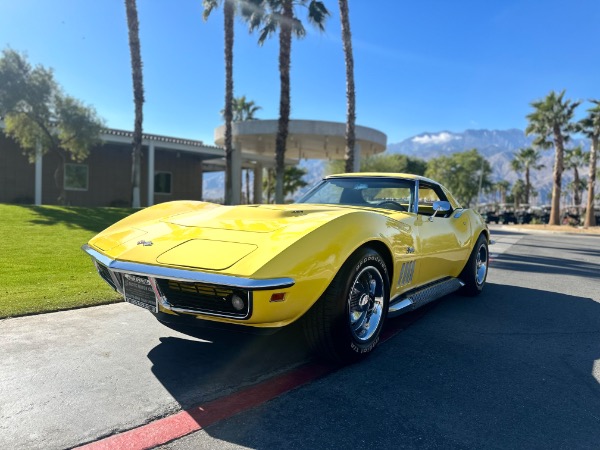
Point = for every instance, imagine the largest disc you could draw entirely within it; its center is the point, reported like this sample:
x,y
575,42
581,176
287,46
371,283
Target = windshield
x,y
388,193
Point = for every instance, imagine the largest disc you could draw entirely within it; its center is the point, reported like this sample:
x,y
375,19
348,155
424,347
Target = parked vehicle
x,y
356,249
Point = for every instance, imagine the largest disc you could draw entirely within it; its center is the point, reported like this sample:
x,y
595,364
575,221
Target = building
x,y
172,168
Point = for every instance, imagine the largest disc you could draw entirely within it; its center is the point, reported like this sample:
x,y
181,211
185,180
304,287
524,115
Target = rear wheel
x,y
345,323
475,272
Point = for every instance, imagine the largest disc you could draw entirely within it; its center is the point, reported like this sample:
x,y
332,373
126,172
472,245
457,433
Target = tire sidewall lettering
x,y
364,349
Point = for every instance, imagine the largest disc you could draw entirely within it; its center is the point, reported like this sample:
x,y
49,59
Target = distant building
x,y
104,178
172,168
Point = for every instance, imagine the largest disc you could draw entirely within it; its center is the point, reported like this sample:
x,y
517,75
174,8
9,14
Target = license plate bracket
x,y
138,291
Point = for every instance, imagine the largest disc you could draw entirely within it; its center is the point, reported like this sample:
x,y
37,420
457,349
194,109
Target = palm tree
x,y
138,98
228,13
518,193
590,126
502,188
527,159
244,110
350,91
551,122
274,15
574,159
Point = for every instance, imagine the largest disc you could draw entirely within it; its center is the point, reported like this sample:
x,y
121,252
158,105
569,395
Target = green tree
x,y
243,109
551,123
465,174
292,181
384,162
279,15
590,126
41,118
350,89
574,159
527,159
501,187
133,26
519,193
228,14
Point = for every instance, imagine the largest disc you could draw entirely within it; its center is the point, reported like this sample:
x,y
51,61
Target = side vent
x,y
406,273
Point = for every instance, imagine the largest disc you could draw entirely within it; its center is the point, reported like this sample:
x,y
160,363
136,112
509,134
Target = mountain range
x,y
497,146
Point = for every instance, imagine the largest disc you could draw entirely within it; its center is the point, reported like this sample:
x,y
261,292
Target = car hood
x,y
217,238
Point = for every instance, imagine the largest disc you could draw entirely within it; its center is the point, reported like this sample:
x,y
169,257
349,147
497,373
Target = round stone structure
x,y
307,139
254,146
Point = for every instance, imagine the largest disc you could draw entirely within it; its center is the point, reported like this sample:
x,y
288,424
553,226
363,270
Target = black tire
x,y
344,325
475,272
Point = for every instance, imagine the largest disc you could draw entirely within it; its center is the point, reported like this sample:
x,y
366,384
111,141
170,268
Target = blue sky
x,y
420,66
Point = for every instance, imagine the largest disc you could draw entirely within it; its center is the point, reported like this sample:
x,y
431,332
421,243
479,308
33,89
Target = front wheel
x,y
345,323
475,272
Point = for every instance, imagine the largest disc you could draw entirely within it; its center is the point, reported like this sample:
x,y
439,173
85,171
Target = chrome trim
x,y
458,213
188,275
416,199
406,273
412,300
164,304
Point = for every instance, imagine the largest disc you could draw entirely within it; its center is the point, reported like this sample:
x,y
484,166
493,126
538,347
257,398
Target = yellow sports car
x,y
357,248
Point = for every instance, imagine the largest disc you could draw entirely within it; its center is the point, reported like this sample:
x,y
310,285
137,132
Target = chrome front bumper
x,y
113,272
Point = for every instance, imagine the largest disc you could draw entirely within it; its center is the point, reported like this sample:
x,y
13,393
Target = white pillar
x,y
236,174
258,183
356,157
151,174
38,173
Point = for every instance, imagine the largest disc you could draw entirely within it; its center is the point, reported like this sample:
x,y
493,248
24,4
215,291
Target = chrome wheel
x,y
365,303
481,264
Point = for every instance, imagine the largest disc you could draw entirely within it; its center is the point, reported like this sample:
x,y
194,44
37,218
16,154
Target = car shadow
x,y
513,368
212,363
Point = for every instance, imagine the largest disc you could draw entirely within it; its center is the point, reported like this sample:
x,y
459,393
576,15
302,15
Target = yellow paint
x,y
308,243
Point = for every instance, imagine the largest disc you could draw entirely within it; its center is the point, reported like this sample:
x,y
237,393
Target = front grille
x,y
106,276
204,298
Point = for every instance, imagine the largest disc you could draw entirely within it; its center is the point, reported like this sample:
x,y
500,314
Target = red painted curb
x,y
183,423
180,424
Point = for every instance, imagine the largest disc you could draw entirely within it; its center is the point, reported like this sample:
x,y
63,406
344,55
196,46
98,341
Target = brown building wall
x,y
17,174
109,176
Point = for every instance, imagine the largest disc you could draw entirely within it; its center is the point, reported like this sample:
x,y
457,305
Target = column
x,y
236,173
201,196
151,174
258,183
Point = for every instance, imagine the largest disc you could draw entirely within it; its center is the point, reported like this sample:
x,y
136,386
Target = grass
x,y
42,267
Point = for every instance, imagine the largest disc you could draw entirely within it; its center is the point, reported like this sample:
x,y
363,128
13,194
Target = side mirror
x,y
440,206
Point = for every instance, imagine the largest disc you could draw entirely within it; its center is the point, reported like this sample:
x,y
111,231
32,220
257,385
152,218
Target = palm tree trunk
x,y
138,99
228,11
557,177
350,90
576,190
285,48
590,218
527,184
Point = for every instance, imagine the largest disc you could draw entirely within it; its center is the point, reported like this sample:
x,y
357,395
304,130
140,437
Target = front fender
x,y
314,260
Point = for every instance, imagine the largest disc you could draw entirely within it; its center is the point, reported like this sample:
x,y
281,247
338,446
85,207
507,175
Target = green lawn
x,y
42,267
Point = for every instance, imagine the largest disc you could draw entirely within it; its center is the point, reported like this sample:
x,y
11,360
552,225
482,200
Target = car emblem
x,y
145,243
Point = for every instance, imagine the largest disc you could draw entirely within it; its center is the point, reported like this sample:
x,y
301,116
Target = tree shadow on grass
x,y
91,219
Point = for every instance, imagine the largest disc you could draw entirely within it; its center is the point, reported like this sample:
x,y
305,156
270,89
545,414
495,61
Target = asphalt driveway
x,y
518,367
